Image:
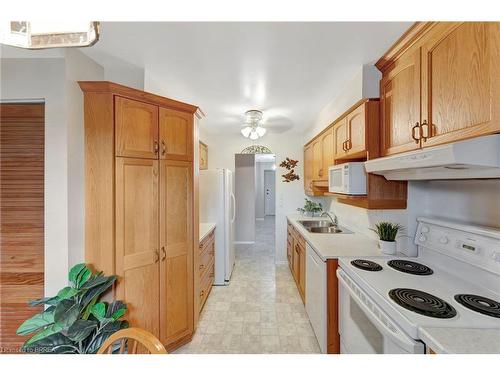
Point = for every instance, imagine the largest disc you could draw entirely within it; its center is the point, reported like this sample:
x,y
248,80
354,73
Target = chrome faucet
x,y
334,220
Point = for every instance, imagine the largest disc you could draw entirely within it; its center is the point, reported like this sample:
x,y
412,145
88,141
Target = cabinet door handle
x,y
417,126
201,267
202,293
320,172
427,128
163,147
348,144
156,147
163,253
157,256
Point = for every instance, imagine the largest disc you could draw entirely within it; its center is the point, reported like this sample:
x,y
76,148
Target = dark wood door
x,y
21,217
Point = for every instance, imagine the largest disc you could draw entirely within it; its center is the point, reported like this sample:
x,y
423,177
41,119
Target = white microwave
x,y
347,178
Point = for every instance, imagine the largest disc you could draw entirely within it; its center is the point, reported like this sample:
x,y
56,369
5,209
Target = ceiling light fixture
x,y
253,128
44,34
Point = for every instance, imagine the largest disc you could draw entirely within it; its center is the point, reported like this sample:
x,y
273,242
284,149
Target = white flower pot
x,y
387,247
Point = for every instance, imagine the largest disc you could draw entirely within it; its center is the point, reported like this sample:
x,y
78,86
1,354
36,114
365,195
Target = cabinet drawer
x,y
207,240
206,259
206,286
300,239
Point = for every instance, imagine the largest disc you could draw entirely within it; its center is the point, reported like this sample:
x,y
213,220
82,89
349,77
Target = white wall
x,y
361,220
125,74
289,196
474,202
244,192
260,167
79,67
54,79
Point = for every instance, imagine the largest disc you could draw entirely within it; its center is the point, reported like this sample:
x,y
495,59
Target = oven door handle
x,y
397,336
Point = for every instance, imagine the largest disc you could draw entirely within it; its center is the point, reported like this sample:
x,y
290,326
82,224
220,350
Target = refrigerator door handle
x,y
234,207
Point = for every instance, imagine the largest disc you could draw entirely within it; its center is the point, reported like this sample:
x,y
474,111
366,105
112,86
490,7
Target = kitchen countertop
x,y
205,228
332,246
461,340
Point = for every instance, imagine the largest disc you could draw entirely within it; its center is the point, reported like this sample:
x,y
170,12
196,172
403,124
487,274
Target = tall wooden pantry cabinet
x,y
139,211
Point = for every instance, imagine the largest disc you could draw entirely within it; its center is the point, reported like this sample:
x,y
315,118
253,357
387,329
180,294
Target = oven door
x,y
337,180
366,329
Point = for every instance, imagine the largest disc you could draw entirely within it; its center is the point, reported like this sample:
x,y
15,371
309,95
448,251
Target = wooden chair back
x,y
129,339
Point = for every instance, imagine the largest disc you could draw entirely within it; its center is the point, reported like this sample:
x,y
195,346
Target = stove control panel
x,y
474,245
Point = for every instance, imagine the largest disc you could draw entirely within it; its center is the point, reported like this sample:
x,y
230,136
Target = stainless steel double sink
x,y
322,226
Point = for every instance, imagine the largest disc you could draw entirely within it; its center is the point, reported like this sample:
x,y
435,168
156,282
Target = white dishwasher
x,y
316,295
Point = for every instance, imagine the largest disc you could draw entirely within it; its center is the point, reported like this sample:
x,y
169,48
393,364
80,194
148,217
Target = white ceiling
x,y
290,71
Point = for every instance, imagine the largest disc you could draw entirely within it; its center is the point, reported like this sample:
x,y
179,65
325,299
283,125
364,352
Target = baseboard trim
x,y
244,242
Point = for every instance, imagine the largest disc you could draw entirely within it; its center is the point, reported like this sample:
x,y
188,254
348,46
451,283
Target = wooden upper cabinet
x,y
176,135
137,253
136,129
340,138
400,101
327,150
356,127
176,240
461,81
317,159
308,167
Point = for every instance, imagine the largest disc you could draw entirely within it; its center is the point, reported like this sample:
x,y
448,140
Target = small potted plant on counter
x,y
310,208
387,233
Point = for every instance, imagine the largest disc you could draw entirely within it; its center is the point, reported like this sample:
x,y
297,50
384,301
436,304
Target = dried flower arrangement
x,y
289,164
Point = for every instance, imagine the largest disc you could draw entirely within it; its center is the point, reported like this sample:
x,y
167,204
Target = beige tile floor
x,y
260,311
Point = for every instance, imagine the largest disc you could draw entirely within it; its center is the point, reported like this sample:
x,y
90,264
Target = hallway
x,y
260,311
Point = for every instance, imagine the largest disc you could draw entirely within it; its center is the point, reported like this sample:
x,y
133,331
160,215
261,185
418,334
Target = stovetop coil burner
x,y
410,267
366,265
482,305
422,303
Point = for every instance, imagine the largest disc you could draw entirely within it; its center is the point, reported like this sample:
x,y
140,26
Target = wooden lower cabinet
x,y
176,240
137,252
139,206
332,307
296,254
297,264
205,271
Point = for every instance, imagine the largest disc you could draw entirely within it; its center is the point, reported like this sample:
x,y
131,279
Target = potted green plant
x,y
75,321
310,208
387,233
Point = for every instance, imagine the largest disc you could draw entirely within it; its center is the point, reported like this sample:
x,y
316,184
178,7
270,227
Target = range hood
x,y
469,159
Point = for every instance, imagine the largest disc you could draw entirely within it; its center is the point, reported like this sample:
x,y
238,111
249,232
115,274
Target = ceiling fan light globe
x,y
260,131
246,131
254,135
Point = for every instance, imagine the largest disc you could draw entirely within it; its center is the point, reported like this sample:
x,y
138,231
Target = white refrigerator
x,y
217,205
